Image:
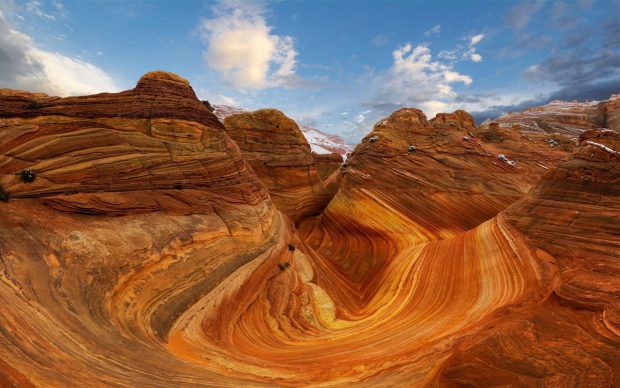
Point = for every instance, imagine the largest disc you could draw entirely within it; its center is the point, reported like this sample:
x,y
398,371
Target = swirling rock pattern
x,y
573,338
148,251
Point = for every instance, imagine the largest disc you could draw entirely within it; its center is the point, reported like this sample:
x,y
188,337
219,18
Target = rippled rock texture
x,y
140,246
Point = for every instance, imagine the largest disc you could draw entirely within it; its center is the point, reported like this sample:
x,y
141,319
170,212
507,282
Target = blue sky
x,y
338,66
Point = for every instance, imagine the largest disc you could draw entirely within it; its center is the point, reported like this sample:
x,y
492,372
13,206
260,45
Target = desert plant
x,y
208,105
28,175
4,195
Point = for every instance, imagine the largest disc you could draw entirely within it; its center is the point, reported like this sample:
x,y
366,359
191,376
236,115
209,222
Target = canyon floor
x,y
146,243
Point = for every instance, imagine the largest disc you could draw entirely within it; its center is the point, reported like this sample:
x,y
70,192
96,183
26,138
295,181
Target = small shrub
x,y
291,247
208,105
28,175
4,195
281,266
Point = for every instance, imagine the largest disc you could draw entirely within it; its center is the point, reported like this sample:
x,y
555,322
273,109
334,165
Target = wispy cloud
x,y
519,16
463,53
243,49
474,40
380,40
434,30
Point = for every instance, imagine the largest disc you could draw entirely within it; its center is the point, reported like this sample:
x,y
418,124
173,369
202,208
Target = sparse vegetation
x,y
208,105
4,195
291,247
28,175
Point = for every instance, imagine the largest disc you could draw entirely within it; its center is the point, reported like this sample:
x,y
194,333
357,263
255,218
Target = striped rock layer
x,y
567,118
150,250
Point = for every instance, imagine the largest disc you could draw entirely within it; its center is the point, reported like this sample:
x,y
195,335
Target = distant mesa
x,y
569,118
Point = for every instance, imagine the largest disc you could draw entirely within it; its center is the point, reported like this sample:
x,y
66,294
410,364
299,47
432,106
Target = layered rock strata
x,y
280,155
141,247
568,118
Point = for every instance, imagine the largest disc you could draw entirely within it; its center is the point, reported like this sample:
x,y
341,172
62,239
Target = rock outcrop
x,y
573,338
612,112
320,142
280,155
140,246
141,204
568,118
326,164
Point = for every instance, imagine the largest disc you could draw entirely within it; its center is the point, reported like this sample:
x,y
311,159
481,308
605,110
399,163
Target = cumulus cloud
x,y
415,79
243,49
26,66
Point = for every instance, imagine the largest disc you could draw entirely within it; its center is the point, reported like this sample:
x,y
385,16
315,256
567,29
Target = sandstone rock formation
x,y
573,338
569,118
280,155
320,142
140,247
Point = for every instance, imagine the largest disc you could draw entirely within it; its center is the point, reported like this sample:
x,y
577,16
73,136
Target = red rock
x,y
569,118
280,155
147,251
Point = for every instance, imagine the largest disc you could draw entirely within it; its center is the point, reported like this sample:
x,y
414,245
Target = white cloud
x,y
36,8
463,53
71,76
26,66
475,39
415,78
242,48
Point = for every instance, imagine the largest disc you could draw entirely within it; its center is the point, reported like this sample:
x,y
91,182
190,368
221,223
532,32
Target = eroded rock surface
x,y
569,118
280,155
147,250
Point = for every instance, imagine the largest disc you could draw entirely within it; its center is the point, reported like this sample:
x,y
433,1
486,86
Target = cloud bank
x,y
25,66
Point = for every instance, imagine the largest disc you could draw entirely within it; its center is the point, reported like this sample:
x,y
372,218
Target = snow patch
x,y
603,147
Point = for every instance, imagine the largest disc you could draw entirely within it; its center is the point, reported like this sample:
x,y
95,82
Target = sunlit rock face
x,y
612,112
147,251
568,118
280,155
420,180
573,338
141,206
